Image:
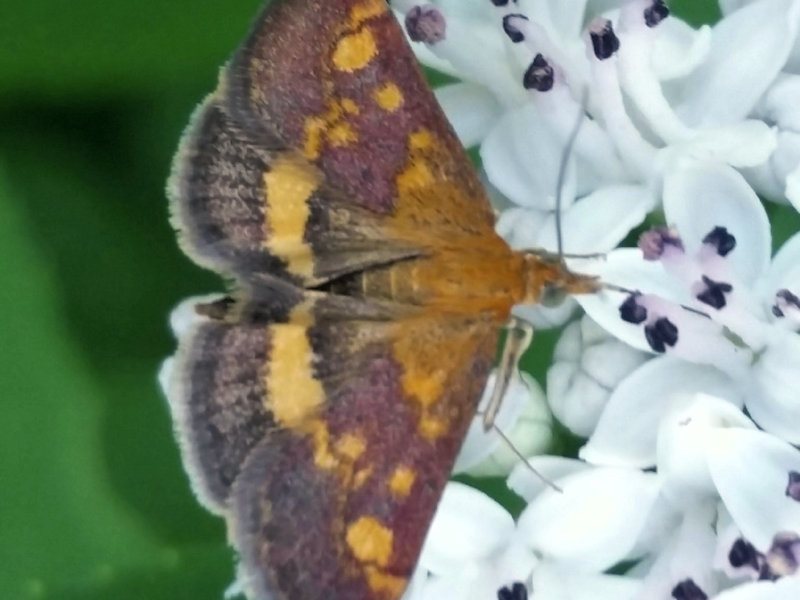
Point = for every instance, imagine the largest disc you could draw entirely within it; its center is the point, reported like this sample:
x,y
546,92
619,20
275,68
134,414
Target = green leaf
x,y
95,502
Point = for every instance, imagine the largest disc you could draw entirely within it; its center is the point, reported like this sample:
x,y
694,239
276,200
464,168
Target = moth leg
x,y
520,334
522,457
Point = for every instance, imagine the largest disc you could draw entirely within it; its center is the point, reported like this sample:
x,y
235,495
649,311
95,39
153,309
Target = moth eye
x,y
553,296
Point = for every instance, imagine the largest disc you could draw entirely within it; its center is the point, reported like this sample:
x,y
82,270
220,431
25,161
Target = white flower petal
x,y
595,521
625,267
751,471
626,432
522,228
587,364
564,16
561,582
479,580
528,485
688,555
601,220
679,49
488,67
786,588
729,6
748,49
779,104
596,162
415,587
515,563
727,535
468,526
701,196
522,157
471,109
746,143
683,444
453,585
775,406
793,187
782,273
776,178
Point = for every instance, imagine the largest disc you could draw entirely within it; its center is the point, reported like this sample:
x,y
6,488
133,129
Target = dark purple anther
x,y
661,334
426,24
688,590
631,311
604,41
743,553
783,556
793,487
539,75
713,294
721,239
518,591
653,241
655,13
783,299
514,34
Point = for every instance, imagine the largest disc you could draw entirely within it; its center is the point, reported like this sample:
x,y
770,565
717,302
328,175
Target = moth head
x,y
549,281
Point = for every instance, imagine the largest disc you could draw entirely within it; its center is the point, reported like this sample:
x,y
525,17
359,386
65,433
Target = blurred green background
x,y
93,97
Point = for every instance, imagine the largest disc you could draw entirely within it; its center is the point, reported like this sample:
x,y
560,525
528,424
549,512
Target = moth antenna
x,y
562,171
618,288
549,483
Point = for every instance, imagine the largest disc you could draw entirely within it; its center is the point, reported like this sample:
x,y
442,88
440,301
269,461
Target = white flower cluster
x,y
687,389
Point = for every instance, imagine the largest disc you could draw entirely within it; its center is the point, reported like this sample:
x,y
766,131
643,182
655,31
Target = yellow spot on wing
x,y
313,128
329,126
355,51
342,134
420,140
321,438
289,184
366,10
351,446
370,541
432,428
415,176
293,395
379,581
361,477
401,481
389,97
349,106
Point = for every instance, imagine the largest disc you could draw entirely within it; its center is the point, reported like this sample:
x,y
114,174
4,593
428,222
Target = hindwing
x,y
326,442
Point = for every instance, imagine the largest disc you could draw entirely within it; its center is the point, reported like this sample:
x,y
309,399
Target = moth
x,y
321,404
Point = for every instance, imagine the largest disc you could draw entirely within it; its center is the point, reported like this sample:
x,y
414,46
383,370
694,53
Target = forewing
x,y
336,80
249,207
323,152
327,444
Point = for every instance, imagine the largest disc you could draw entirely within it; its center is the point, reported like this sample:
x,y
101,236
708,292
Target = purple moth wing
x,y
314,439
